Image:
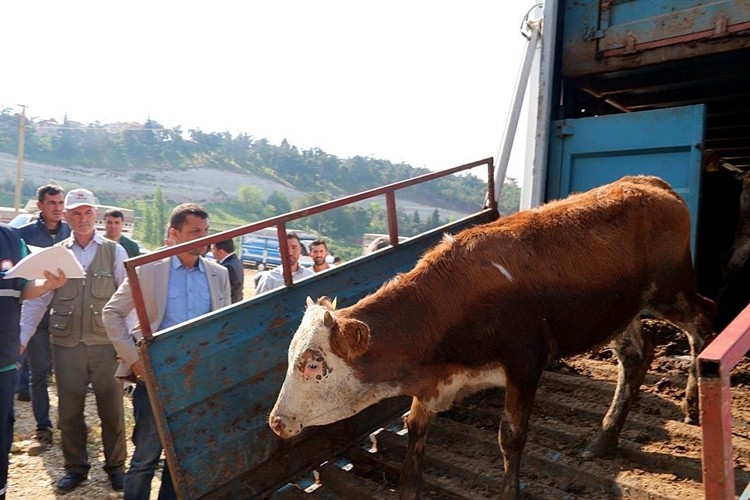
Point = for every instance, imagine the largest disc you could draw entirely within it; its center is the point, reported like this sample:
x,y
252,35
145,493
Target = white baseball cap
x,y
79,197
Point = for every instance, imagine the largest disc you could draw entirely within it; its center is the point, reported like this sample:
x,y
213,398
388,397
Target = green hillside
x,y
118,148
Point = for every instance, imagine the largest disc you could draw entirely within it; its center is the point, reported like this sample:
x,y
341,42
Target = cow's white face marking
x,y
320,387
505,272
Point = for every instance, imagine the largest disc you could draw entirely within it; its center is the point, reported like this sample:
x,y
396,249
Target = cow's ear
x,y
309,302
350,339
326,302
329,320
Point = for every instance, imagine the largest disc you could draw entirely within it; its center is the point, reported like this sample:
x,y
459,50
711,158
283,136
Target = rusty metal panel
x,y
715,365
611,35
214,380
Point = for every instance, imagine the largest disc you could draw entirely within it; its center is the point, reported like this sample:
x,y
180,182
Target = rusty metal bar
x,y
675,40
284,252
280,221
152,390
491,201
715,364
390,204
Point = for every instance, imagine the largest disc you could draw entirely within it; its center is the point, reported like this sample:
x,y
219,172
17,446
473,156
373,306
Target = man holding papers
x,y
12,249
81,351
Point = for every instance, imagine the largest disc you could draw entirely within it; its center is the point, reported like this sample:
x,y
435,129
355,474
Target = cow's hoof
x,y
601,446
692,415
690,419
408,494
509,491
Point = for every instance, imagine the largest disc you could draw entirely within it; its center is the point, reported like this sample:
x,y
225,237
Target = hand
x,y
138,370
54,282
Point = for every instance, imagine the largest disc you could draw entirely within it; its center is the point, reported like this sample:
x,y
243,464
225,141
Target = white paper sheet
x,y
46,259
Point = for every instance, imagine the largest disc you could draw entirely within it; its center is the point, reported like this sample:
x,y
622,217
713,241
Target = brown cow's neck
x,y
407,323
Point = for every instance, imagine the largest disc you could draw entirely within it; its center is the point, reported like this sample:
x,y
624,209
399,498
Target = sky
x,y
428,83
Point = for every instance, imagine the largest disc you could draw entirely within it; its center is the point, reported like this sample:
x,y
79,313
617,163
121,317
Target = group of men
x,y
275,278
85,328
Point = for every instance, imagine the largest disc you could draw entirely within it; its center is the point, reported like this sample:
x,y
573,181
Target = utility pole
x,y
21,140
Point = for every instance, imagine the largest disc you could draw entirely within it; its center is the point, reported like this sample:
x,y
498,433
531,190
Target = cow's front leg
x,y
514,428
634,355
417,422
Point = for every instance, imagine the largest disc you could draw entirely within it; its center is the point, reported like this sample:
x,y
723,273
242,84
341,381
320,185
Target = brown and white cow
x,y
492,306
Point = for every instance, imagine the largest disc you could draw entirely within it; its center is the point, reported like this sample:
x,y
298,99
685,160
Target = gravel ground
x,y
36,476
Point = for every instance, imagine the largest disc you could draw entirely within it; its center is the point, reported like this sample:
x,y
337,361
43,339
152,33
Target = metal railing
x,y
281,221
715,364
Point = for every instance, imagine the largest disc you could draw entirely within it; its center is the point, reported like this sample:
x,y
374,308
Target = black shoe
x,y
70,480
118,481
24,396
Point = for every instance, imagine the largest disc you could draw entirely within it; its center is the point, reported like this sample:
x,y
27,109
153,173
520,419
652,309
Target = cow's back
x,y
568,275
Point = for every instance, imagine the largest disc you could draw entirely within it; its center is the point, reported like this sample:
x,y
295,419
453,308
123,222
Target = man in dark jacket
x,y
224,255
13,249
47,230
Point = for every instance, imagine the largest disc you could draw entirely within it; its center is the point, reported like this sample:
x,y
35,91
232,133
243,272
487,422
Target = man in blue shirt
x,y
12,249
48,229
175,289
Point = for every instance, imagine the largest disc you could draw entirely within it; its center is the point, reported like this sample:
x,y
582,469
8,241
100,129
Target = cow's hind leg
x,y
417,422
694,315
635,352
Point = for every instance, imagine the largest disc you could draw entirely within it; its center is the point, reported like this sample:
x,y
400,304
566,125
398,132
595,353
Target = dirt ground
x,y
659,456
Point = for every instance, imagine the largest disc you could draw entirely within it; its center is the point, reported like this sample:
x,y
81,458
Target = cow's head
x,y
321,385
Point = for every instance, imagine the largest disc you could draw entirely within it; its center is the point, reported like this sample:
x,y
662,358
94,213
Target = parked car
x,y
261,250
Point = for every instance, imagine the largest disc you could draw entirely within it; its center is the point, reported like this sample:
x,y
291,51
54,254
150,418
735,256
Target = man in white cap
x,y
81,351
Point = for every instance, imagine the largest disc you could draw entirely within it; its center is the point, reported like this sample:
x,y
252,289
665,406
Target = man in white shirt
x,y
319,255
275,278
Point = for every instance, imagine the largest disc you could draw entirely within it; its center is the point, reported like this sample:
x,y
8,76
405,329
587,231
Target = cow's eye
x,y
312,366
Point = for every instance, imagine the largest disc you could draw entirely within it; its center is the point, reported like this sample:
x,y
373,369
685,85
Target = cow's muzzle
x,y
284,427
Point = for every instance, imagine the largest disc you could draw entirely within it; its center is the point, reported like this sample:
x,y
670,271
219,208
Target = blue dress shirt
x,y
188,295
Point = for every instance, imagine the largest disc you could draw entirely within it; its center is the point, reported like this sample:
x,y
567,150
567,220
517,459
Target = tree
x,y
433,221
510,197
69,141
149,228
315,222
250,202
160,211
278,203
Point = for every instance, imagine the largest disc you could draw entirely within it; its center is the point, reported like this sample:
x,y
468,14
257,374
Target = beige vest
x,y
76,310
